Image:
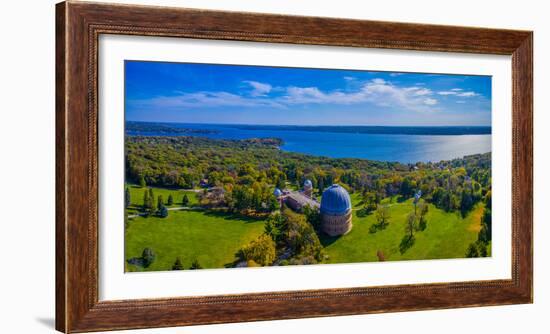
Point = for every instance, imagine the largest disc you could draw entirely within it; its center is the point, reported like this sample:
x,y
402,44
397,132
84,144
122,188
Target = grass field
x,y
136,196
211,238
447,235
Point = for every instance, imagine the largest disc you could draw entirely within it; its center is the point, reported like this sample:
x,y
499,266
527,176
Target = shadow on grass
x,y
406,243
136,261
231,216
326,240
401,199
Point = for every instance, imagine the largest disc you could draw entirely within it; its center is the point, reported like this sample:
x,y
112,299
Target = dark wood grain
x,y
60,169
78,27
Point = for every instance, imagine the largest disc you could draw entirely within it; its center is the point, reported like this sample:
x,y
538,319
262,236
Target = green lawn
x,y
447,235
211,238
214,238
136,196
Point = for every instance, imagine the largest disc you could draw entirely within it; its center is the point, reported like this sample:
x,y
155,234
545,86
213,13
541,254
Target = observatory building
x,y
335,207
336,211
308,188
297,200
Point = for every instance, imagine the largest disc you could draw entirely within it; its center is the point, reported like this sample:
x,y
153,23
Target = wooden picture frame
x,y
78,26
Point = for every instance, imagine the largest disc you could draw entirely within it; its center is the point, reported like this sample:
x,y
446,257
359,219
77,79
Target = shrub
x,y
163,212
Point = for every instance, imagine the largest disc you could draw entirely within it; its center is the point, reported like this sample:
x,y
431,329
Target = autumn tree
x,y
410,225
383,215
261,251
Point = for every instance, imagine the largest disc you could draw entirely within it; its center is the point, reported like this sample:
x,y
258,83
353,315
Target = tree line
x,y
248,170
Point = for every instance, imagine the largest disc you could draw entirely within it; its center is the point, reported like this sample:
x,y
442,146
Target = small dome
x,y
308,184
277,192
335,200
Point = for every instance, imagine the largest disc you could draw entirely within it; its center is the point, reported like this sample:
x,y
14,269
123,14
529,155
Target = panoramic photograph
x,y
234,166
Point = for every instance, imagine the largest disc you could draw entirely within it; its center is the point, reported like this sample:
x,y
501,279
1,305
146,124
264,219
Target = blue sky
x,y
207,93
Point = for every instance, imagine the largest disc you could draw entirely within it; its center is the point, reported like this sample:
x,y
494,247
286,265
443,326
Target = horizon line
x,y
312,125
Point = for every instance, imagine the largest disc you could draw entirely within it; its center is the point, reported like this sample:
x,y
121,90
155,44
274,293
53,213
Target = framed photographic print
x,y
221,166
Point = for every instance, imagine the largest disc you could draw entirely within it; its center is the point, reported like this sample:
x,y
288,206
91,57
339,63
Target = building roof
x,y
335,200
308,184
302,199
277,192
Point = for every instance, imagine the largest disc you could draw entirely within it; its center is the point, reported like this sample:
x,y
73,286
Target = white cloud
x,y
205,99
430,101
457,92
376,91
466,94
259,88
419,91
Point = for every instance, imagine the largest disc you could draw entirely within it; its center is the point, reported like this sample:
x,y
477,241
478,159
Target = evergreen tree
x,y
152,203
273,203
160,202
195,265
472,251
177,265
142,183
185,200
127,200
145,200
170,200
281,181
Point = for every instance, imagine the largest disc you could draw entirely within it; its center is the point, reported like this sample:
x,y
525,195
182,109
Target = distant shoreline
x,y
360,129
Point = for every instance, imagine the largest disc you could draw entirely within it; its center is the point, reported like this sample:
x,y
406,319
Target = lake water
x,y
405,148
